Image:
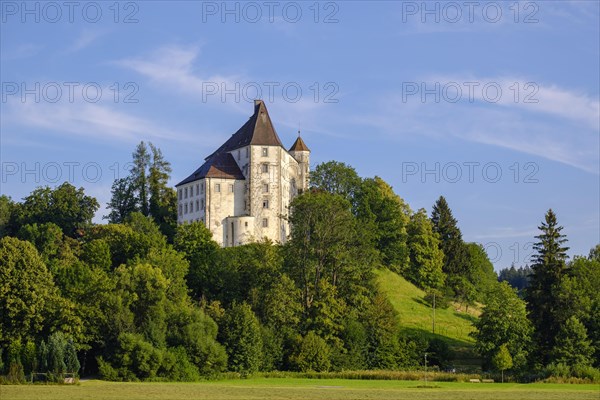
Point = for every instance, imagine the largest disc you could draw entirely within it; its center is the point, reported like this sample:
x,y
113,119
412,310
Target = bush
x,y
586,372
178,367
558,370
314,354
439,353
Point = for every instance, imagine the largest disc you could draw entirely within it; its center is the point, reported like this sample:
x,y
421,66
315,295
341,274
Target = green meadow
x,y
292,388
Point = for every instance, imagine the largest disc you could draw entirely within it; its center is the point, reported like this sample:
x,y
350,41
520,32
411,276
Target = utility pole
x,y
434,312
425,369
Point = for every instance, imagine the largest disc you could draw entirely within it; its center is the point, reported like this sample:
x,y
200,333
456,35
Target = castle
x,y
243,190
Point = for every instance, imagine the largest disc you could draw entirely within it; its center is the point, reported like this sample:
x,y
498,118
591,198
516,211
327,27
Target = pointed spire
x,y
299,145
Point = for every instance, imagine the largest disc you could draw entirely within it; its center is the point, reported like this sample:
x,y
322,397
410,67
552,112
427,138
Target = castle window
x,y
266,203
231,188
265,222
186,208
186,193
202,187
217,187
265,188
265,168
180,210
197,205
202,203
197,189
265,151
180,194
246,224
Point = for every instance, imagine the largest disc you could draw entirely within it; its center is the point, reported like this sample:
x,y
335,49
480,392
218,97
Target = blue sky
x,y
494,105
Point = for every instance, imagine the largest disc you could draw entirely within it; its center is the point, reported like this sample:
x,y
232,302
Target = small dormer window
x,y
265,151
239,154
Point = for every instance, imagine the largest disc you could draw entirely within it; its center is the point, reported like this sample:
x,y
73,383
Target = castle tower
x,y
243,190
301,153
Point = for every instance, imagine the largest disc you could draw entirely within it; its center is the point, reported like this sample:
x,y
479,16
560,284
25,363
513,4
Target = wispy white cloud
x,y
173,67
179,69
507,233
86,120
24,50
562,126
85,39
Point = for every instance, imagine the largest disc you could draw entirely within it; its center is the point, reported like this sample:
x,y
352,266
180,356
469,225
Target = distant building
x,y
243,190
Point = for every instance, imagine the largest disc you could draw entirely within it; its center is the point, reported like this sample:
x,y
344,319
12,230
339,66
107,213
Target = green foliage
x,y
381,323
57,344
47,238
134,358
162,205
143,290
146,191
426,259
549,268
6,213
195,242
96,254
65,206
336,178
503,322
71,361
242,339
502,360
26,291
439,353
516,277
456,263
324,244
482,274
314,354
123,200
139,177
572,344
579,296
196,332
379,207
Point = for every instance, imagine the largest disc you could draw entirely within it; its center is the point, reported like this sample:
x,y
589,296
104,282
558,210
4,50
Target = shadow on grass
x,y
468,317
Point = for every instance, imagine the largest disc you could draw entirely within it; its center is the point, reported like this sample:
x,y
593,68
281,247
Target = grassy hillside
x,y
452,324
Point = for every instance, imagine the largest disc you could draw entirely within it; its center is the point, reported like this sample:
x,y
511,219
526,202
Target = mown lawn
x,y
284,388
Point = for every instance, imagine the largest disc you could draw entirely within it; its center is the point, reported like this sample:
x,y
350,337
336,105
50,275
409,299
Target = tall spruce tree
x,y
163,199
456,262
146,190
139,174
549,267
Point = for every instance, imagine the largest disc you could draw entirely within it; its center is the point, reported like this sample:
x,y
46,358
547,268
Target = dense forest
x,y
142,298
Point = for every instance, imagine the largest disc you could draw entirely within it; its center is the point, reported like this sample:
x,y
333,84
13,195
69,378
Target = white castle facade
x,y
243,190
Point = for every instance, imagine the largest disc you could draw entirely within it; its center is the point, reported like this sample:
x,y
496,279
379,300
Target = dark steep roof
x,y
299,145
219,166
258,130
